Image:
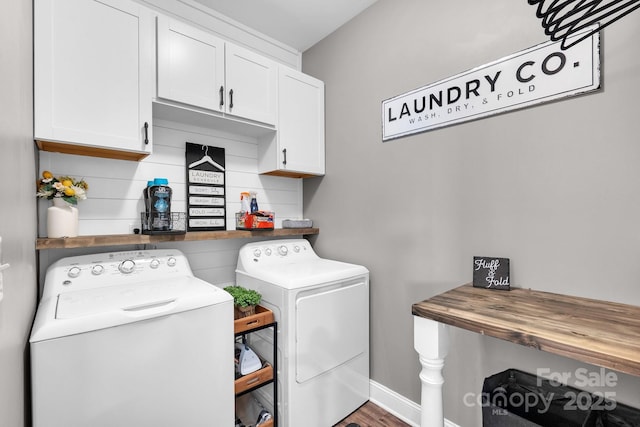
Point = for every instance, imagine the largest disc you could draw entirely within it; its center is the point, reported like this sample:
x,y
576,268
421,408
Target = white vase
x,y
62,219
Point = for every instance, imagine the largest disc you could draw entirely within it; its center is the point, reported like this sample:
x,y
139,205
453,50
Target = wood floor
x,y
370,415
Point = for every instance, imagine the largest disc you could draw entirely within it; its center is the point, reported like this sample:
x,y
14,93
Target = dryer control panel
x,y
274,252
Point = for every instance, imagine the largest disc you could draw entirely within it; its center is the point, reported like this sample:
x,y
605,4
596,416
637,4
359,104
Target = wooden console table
x,y
601,333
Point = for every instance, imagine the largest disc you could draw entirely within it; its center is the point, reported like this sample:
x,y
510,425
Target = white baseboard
x,y
398,405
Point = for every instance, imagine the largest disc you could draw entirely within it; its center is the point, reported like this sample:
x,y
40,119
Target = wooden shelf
x,y
254,380
602,333
143,239
263,316
82,150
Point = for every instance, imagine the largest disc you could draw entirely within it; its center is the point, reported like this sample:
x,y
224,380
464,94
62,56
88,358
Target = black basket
x,y
517,399
177,224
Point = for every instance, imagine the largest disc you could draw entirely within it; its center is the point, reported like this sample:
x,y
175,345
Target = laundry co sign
x,y
539,74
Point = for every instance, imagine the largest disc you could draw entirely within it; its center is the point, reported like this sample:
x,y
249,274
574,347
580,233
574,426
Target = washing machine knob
x,y
127,266
296,249
282,250
97,269
74,272
155,263
171,262
257,252
267,252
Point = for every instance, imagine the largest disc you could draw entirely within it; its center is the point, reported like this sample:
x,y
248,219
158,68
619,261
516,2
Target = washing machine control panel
x,y
283,250
115,268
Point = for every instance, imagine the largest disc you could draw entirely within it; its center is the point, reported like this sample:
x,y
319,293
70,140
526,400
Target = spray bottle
x,y
245,203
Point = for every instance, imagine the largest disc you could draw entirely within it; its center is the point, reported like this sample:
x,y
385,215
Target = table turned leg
x,y
431,341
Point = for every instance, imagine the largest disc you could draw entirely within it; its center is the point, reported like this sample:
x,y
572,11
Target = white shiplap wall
x,y
114,199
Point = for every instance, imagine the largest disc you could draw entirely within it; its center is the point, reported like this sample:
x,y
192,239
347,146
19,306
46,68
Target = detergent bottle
x,y
254,202
160,205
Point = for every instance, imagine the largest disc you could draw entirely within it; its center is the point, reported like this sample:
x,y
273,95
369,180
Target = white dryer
x,y
322,310
131,339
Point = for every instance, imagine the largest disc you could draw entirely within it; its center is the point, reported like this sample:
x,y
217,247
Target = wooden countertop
x,y
598,332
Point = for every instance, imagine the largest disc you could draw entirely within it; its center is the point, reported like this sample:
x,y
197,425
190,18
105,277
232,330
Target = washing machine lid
x,y
88,310
295,275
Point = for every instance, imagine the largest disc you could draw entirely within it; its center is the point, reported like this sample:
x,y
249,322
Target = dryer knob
x,y
127,266
73,272
256,253
155,263
296,249
97,269
282,250
171,262
267,252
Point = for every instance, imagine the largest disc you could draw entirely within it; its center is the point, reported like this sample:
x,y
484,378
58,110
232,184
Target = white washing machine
x,y
322,310
131,339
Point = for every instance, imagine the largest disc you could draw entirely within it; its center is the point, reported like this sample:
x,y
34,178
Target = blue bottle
x,y
160,205
254,202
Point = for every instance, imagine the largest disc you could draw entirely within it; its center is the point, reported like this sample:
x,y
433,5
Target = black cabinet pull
x,y
221,96
284,151
230,99
146,133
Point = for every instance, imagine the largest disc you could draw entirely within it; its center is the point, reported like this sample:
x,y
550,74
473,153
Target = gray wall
x,y
555,188
17,209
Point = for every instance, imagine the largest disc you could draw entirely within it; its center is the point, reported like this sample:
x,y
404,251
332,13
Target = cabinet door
x,y
300,122
190,65
250,85
93,73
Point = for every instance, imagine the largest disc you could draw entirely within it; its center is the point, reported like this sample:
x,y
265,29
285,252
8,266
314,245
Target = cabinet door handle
x,y
146,133
221,96
284,152
230,99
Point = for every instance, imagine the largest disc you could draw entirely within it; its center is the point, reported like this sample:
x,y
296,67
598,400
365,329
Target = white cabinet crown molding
x,y
196,14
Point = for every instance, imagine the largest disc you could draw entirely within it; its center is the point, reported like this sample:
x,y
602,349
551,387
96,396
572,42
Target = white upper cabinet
x,y
198,69
251,84
93,76
297,148
190,65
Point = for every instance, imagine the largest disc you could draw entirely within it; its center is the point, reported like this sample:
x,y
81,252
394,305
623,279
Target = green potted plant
x,y
244,300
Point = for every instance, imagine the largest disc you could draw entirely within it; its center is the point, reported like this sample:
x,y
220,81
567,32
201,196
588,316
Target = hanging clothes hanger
x,y
561,19
206,159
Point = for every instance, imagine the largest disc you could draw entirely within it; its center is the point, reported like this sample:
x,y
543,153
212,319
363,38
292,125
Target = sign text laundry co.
x,y
539,74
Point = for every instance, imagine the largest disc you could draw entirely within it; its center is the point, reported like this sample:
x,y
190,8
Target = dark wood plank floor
x,y
370,415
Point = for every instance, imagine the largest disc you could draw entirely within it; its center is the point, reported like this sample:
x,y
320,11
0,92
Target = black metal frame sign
x,y
536,75
206,195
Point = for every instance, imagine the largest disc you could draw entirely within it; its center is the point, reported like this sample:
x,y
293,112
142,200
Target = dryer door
x,y
332,328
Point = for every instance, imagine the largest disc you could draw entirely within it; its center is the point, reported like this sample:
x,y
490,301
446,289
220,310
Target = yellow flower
x,y
71,190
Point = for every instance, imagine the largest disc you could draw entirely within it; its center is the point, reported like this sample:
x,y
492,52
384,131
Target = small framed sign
x,y
206,198
491,273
